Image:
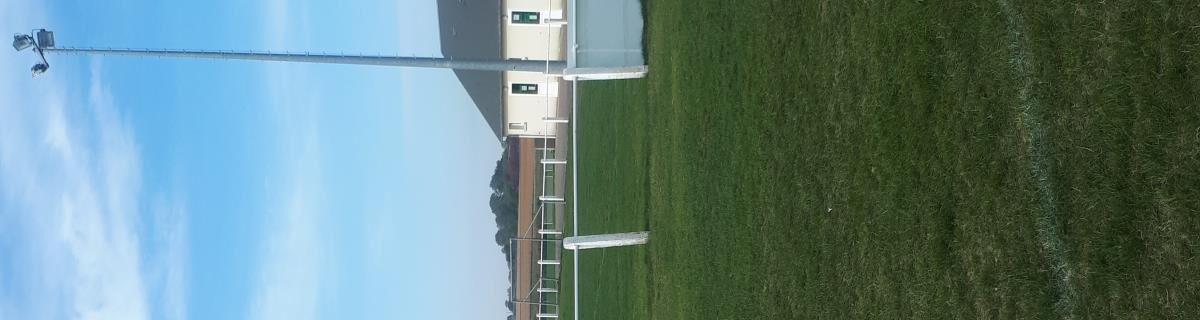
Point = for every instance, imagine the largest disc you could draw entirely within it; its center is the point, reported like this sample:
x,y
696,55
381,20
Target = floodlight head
x,y
22,41
45,38
39,69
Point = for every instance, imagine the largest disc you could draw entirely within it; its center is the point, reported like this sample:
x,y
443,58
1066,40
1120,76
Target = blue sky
x,y
175,189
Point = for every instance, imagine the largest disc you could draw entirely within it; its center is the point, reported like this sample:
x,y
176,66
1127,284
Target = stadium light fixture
x,y
44,39
22,41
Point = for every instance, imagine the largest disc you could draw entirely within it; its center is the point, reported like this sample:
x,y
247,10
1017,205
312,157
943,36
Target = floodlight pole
x,y
44,43
540,66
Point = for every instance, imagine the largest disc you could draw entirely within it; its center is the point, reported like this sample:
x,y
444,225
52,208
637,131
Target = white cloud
x,y
168,269
70,175
289,277
289,281
70,189
286,24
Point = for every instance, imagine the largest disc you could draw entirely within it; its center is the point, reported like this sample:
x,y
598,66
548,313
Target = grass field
x,y
899,159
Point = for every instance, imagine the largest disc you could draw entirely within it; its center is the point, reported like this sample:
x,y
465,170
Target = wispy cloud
x,y
70,181
289,276
70,195
285,23
289,281
167,270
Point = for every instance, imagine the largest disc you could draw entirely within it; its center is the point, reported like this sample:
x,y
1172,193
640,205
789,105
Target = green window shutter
x,y
524,88
526,17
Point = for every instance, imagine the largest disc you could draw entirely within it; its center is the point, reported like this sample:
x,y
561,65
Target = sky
x,y
135,188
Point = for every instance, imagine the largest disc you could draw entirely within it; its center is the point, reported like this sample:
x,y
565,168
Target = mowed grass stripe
x,y
1032,114
1120,84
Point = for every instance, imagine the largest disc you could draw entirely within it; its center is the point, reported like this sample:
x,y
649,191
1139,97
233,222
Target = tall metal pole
x,y
540,66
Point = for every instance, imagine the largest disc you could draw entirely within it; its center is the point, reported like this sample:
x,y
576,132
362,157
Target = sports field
x,y
799,159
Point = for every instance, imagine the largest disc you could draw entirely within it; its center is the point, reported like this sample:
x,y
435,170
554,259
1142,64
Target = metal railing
x,y
551,200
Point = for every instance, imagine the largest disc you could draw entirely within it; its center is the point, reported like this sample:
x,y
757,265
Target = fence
x,y
611,50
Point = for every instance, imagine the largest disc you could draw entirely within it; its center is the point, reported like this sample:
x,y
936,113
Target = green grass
x,y
615,282
899,159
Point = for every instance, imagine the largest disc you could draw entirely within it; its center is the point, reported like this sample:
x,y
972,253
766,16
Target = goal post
x,y
606,240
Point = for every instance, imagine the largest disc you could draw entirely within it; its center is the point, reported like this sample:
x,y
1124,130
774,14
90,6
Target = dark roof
x,y
470,29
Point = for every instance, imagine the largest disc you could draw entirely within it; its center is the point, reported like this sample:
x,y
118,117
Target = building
x,y
532,30
470,29
514,104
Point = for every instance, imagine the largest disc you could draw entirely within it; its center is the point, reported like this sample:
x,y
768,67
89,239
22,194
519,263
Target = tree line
x,y
503,203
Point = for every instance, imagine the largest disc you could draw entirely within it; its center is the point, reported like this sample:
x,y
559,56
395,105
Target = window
x,y
516,126
524,88
526,17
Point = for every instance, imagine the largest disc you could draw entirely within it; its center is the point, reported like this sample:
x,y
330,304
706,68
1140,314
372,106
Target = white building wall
x,y
541,41
524,111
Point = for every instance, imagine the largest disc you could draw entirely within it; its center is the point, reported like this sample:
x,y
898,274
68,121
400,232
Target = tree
x,y
503,203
